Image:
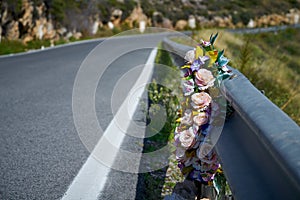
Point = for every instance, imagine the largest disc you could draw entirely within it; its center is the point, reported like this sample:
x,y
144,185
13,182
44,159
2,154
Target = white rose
x,y
190,56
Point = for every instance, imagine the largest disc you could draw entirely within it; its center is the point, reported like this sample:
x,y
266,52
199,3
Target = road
x,y
40,151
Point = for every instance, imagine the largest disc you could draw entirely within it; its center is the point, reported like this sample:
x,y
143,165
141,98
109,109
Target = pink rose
x,y
178,131
200,119
200,101
204,79
187,138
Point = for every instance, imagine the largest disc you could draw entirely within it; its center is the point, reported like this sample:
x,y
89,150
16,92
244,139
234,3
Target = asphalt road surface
x,y
40,150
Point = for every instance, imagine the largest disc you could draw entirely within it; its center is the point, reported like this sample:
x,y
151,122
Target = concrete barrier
x,y
259,147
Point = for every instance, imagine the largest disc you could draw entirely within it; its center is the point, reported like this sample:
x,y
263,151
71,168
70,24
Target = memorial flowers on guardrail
x,y
203,73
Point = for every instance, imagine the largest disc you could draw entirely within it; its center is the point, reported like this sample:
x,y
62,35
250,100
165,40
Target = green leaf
x,y
225,76
220,53
213,38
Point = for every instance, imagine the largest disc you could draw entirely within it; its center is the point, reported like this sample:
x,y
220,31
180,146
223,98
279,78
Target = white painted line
x,y
91,179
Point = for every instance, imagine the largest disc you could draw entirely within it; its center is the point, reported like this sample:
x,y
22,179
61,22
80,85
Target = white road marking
x,y
91,179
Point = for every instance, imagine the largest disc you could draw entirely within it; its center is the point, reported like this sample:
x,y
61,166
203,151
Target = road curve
x,y
40,151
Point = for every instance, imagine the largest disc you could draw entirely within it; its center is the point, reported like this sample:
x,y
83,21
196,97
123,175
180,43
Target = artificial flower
x,y
225,68
187,138
188,73
187,119
206,154
200,101
204,43
188,87
204,79
222,61
198,114
190,56
200,119
197,165
213,55
185,67
199,51
198,63
180,153
191,161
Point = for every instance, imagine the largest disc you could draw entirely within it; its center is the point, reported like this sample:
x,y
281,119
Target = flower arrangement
x,y
203,72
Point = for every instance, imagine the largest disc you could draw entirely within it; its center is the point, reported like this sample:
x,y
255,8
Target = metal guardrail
x,y
262,29
259,147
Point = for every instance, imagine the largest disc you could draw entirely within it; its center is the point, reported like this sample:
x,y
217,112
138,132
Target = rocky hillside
x,y
28,20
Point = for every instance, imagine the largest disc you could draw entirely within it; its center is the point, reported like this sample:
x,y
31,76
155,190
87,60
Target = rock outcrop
x,y
181,24
116,17
292,17
12,30
34,22
136,17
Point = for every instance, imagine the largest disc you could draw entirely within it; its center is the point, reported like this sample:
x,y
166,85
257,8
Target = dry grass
x,y
269,60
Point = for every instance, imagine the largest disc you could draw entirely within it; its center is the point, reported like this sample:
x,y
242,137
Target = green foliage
x,y
162,95
158,94
152,185
36,44
8,47
163,57
221,185
16,46
57,10
245,16
13,6
148,7
285,45
245,59
105,8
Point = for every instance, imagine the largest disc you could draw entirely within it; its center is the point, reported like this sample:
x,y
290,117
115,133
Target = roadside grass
x,y
17,46
8,47
271,62
159,183
281,69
